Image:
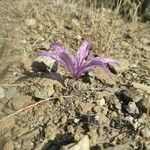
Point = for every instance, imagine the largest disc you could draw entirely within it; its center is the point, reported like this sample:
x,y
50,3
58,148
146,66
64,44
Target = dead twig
x,y
27,107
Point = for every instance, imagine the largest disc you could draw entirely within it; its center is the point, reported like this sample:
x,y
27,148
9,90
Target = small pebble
x,y
51,63
101,102
146,101
2,93
76,120
136,96
83,144
9,145
129,118
132,108
96,109
146,132
64,119
11,92
27,144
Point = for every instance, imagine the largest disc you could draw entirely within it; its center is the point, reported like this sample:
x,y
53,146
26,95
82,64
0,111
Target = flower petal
x,y
65,59
82,53
58,48
44,53
98,61
68,62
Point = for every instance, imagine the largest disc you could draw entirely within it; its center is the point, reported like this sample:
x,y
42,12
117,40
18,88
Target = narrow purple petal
x,y
82,53
64,53
44,53
106,60
68,62
98,61
58,48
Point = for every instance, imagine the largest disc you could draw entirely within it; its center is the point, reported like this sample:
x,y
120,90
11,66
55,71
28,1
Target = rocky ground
x,y
42,107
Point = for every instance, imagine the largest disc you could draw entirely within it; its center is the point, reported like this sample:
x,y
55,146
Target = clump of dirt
x,y
45,108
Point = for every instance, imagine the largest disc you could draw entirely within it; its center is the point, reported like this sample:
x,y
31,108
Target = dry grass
x,y
103,29
105,25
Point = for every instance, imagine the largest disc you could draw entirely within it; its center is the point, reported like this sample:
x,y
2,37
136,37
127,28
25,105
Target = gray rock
x,y
146,132
83,144
27,144
9,145
2,115
142,87
7,123
136,95
101,102
103,75
19,102
2,93
46,90
129,118
146,102
132,108
1,106
11,92
145,40
117,104
43,87
123,65
51,63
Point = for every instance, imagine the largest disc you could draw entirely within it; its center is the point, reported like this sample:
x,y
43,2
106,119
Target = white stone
x,y
48,61
83,144
146,132
97,117
101,102
132,108
2,93
76,120
129,118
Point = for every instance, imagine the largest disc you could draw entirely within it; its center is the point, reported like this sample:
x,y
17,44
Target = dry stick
x,y
25,108
20,110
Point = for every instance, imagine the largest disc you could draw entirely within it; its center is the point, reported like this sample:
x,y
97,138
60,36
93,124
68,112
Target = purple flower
x,y
79,64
